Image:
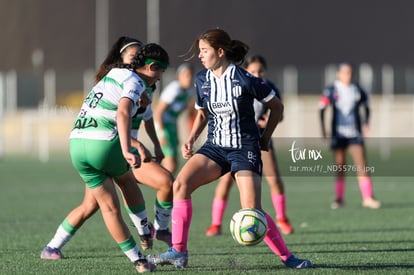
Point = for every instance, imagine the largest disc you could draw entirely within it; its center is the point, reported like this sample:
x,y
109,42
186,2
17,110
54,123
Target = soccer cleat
x,y
294,262
49,253
164,236
337,204
172,256
213,230
142,266
284,226
146,240
371,203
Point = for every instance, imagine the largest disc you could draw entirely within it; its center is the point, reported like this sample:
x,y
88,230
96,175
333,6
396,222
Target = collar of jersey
x,y
228,69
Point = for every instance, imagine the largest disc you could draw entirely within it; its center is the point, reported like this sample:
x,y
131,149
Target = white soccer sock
x,y
60,239
133,254
162,218
140,221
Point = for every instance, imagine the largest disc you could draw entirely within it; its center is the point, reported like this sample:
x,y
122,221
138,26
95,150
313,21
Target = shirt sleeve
x,y
133,88
198,88
261,91
169,94
325,99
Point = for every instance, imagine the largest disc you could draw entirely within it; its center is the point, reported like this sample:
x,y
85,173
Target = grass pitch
x,y
35,197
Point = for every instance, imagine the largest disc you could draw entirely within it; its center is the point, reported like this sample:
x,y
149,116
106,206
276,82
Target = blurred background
x,y
50,49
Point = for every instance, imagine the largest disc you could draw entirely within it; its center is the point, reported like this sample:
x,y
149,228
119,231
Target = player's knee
x,y
166,184
180,188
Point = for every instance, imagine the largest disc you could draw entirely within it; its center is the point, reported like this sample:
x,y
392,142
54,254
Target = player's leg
x,y
357,152
249,184
219,204
160,179
69,226
271,173
134,204
107,198
340,161
197,171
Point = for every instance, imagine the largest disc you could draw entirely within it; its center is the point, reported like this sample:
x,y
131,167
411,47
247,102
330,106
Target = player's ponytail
x,y
237,52
114,57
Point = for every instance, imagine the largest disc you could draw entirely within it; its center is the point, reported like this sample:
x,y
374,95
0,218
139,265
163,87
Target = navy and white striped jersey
x,y
346,101
229,102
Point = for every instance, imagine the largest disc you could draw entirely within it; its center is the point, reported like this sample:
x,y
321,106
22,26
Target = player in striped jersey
x,y
348,129
224,99
256,65
100,147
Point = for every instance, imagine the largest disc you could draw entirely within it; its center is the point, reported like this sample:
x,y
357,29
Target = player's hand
x,y
262,121
187,150
132,159
365,130
144,153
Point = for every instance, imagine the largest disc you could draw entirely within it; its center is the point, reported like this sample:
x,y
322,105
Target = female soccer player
x,y
173,101
123,52
224,100
101,152
256,65
348,129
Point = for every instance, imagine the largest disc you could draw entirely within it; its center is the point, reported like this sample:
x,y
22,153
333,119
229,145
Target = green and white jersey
x,y
97,117
177,100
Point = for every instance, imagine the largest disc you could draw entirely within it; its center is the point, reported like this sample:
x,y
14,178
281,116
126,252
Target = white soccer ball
x,y
248,226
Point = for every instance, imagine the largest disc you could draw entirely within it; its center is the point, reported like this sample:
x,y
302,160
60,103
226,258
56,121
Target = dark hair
x,y
255,58
149,53
115,55
234,50
344,64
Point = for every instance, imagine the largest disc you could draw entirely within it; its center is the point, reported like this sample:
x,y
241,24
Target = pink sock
x,y
365,185
180,220
279,203
218,208
339,189
275,241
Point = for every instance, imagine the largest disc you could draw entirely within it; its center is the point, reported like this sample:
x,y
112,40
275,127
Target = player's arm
x,y
123,120
150,129
159,111
275,110
366,113
323,104
199,124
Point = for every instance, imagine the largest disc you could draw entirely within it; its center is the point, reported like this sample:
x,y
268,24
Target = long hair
x,y
114,56
149,53
234,50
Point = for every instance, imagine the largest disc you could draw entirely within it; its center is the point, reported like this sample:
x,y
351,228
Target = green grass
x,y
35,197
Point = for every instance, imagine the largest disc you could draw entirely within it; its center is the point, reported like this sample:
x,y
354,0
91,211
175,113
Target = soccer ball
x,y
248,226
